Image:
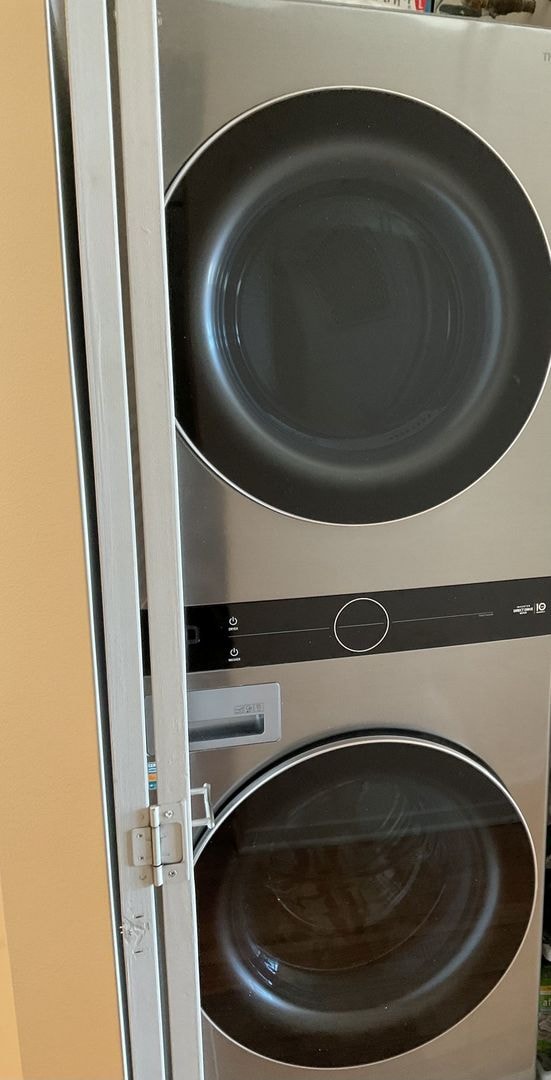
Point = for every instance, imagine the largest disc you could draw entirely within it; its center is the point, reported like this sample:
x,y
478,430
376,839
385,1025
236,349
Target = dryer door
x,y
359,300
359,900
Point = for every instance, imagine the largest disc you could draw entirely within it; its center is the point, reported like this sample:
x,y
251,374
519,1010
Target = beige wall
x,y
58,1003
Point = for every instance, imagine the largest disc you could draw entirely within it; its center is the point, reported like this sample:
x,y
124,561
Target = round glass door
x,y
359,294
359,900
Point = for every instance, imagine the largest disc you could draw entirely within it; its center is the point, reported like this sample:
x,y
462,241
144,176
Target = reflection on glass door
x,y
359,303
359,900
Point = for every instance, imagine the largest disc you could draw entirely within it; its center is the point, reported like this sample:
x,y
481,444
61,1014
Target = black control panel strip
x,y
361,624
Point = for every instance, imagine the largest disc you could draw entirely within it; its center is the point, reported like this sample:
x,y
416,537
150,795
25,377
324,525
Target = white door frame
x,y
159,1049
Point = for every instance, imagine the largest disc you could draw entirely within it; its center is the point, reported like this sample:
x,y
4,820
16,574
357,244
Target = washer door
x,y
360,899
359,294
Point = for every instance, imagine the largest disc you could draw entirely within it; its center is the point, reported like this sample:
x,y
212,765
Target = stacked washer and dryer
x,y
358,211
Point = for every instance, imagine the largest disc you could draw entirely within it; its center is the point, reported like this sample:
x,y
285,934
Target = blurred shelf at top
x,y
520,12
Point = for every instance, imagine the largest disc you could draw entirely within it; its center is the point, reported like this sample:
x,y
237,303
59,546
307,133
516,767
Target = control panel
x,y
269,632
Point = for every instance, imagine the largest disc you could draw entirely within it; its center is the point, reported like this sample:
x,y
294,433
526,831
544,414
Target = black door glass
x,y
360,903
359,294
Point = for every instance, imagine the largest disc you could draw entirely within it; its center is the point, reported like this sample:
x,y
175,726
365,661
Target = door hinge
x,y
159,842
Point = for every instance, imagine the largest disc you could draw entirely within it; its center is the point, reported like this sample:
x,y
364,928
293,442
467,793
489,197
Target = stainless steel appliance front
x,y
220,60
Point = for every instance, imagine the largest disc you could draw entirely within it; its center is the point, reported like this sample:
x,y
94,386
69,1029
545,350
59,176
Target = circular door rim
x,y
426,742
187,166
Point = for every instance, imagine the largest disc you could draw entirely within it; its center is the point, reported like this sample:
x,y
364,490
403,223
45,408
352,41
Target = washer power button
x,y
361,624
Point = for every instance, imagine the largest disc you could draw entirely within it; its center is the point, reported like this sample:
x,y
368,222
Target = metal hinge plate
x,y
158,844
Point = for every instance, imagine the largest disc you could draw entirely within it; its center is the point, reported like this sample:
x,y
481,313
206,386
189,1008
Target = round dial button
x,y
361,624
